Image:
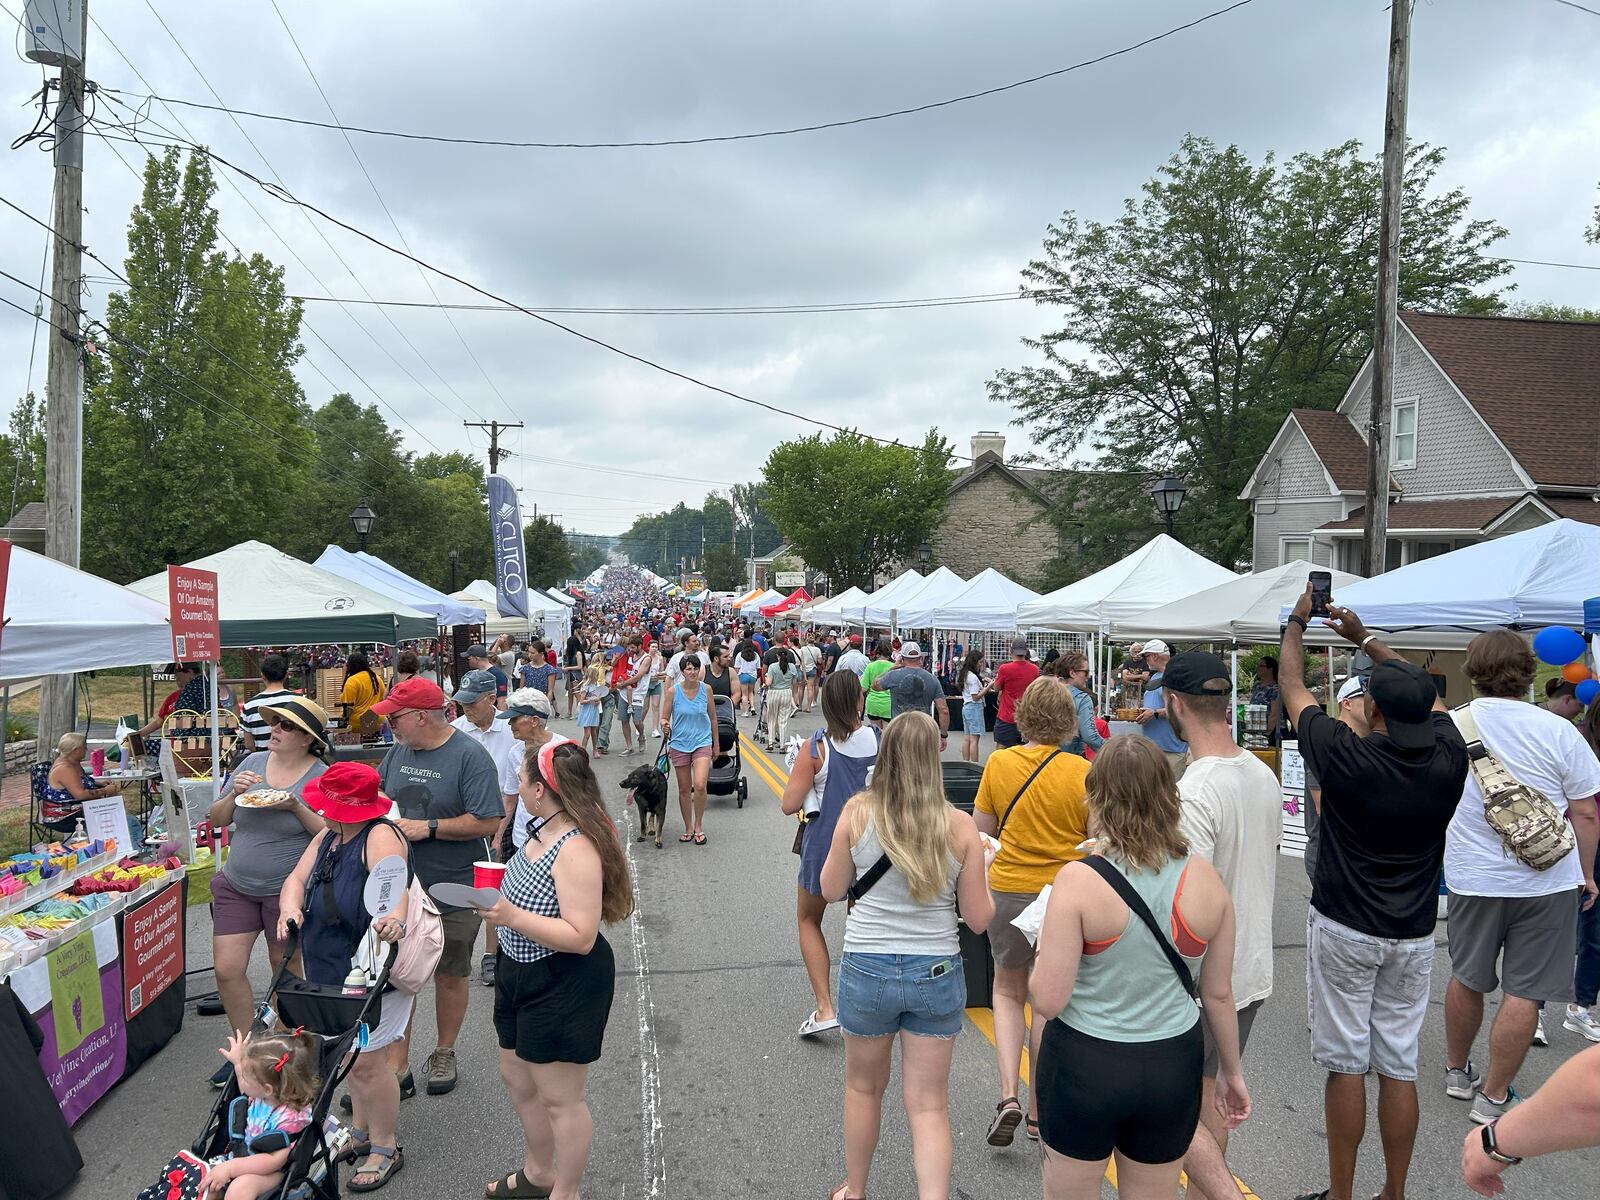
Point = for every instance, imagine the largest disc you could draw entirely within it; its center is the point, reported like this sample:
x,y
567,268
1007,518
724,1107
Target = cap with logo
x,y
1404,694
475,685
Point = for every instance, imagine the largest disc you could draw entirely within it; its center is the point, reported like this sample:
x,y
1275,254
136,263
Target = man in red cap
x,y
447,788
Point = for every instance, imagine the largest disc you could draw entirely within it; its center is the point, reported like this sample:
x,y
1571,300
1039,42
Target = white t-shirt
x,y
675,667
971,685
519,818
1233,817
502,746
1544,752
645,663
747,666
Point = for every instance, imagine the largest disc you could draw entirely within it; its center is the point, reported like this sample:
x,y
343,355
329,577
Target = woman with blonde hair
x,y
1031,798
68,785
1124,934
908,861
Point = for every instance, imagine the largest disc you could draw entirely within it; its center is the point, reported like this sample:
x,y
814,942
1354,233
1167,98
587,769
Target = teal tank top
x,y
1128,992
691,723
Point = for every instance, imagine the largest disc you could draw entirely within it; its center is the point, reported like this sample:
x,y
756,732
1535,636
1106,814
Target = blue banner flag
x,y
510,565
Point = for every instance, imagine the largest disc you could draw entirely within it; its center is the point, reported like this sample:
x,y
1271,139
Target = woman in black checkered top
x,y
555,972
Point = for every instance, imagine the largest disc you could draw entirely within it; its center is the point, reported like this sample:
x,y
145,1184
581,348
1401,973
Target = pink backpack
x,y
419,950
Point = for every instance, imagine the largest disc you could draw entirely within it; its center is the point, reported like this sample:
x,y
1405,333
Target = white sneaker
x,y
1581,1020
1540,1037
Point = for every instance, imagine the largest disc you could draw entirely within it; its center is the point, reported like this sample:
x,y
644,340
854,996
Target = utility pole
x,y
63,436
495,428
1375,541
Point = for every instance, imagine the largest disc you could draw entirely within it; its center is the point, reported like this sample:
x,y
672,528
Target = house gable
x,y
1289,470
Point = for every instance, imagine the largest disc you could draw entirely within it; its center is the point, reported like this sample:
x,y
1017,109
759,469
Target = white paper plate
x,y
460,895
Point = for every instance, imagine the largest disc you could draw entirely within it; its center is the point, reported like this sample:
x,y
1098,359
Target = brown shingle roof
x,y
1536,383
1578,508
1337,444
1434,514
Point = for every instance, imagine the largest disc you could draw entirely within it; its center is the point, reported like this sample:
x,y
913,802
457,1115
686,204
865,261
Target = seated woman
x,y
69,785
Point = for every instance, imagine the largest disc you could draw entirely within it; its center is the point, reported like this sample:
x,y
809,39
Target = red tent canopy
x,y
793,599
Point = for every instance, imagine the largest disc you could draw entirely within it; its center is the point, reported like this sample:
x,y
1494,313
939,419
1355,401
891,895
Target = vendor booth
x,y
832,610
788,605
373,572
753,607
878,607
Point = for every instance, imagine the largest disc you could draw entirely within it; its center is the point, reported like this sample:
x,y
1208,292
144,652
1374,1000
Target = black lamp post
x,y
1168,495
924,556
454,556
362,519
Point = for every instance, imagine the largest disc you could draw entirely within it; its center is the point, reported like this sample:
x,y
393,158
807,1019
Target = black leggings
x,y
1141,1099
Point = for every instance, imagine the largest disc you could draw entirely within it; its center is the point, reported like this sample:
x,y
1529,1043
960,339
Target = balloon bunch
x,y
1561,647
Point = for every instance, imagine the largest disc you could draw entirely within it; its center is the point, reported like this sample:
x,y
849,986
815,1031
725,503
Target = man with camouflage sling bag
x,y
1517,872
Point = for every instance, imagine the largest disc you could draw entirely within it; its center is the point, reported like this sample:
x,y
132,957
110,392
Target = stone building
x,y
992,518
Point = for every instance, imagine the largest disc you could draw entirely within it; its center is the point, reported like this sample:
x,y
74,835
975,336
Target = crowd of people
x,y
1126,886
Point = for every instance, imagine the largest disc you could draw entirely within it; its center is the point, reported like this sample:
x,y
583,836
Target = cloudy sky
x,y
950,202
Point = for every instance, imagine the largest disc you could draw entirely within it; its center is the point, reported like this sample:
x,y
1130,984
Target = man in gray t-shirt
x,y
912,688
447,788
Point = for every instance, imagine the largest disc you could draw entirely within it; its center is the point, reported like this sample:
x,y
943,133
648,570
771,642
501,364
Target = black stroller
x,y
726,776
336,1015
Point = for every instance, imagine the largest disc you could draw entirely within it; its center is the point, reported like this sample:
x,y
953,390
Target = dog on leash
x,y
648,789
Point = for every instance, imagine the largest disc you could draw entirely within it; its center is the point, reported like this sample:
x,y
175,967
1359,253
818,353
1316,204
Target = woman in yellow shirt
x,y
1032,798
362,689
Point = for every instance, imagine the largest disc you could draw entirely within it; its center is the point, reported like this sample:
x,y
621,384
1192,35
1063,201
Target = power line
x,y
698,141
1569,3
1539,262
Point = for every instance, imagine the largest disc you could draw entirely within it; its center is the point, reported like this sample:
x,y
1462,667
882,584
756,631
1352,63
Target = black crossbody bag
x,y
1140,909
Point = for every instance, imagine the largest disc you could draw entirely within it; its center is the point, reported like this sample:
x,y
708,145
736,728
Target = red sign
x,y
192,609
152,949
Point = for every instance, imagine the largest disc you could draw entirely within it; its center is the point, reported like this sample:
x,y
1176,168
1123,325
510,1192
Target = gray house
x,y
1495,428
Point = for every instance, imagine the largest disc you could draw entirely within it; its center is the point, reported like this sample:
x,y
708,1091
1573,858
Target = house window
x,y
1422,550
1403,435
1293,548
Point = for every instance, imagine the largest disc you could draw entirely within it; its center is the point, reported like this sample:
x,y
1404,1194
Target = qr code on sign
x,y
135,998
181,641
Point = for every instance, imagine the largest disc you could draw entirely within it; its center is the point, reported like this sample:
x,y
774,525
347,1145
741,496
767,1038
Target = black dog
x,y
648,790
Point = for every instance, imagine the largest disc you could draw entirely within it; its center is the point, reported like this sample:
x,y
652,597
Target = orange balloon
x,y
1576,673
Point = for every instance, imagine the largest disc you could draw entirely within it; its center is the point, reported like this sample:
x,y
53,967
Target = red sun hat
x,y
347,792
416,692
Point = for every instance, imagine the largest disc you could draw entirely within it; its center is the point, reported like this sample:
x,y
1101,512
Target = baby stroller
x,y
337,1015
726,776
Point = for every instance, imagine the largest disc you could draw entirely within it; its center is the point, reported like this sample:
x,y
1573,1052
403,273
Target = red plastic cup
x,y
97,762
488,874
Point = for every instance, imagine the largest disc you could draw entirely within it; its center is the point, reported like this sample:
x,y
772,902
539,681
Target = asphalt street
x,y
705,1090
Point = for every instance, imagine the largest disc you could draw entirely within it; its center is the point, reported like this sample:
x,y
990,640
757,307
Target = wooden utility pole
x,y
63,434
495,428
1373,556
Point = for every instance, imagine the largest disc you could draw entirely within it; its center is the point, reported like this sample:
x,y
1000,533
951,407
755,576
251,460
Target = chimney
x,y
987,441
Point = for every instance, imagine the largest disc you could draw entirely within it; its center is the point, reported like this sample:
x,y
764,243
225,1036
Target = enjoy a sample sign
x,y
192,609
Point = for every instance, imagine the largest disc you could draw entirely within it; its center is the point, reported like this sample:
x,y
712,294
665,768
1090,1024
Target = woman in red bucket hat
x,y
323,895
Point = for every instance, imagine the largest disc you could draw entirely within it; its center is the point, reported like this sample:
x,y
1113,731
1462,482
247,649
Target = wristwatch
x,y
433,827
1492,1149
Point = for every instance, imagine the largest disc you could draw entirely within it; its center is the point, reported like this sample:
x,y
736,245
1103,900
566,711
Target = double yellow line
x,y
982,1018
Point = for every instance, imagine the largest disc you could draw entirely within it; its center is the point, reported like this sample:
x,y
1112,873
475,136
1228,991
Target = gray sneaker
x,y
1461,1083
1485,1110
441,1072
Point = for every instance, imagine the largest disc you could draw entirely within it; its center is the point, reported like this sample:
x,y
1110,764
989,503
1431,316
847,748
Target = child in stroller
x,y
278,1078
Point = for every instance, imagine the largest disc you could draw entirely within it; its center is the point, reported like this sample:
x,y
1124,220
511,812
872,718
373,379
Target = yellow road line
x,y
759,763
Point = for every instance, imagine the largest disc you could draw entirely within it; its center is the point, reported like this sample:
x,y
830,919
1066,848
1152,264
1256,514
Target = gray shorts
x,y
1366,997
1010,949
1247,1020
1533,939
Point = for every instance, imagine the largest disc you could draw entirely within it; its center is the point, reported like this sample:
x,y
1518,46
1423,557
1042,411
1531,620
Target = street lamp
x,y
924,556
454,556
362,519
1168,495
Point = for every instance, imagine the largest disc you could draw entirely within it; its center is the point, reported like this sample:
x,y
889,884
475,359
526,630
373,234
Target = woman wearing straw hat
x,y
271,830
323,895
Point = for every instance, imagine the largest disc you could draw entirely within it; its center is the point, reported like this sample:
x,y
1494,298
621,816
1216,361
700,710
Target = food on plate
x,y
264,798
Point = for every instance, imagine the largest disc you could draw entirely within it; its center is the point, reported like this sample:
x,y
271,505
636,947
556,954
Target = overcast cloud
x,y
948,202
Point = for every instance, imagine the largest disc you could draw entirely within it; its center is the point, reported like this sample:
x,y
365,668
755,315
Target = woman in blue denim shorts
x,y
907,859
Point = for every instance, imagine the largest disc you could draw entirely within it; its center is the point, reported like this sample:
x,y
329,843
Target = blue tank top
x,y
691,723
336,916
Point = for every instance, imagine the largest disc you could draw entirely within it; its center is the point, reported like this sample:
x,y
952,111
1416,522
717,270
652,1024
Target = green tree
x,y
1545,311
724,569
1229,293
851,506
196,430
549,555
452,462
588,553
22,455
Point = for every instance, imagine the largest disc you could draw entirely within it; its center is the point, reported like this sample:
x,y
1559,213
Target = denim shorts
x,y
1367,998
972,717
882,994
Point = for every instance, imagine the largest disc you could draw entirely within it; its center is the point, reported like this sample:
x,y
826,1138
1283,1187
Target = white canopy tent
x,y
378,575
753,607
1241,610
58,618
937,586
832,610
1159,572
559,597
1524,580
542,610
876,608
986,604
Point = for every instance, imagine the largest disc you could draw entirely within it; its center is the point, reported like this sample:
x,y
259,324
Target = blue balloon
x,y
1587,691
1558,645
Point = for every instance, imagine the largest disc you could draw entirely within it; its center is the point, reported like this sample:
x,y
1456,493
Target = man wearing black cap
x,y
1232,816
1387,799
479,659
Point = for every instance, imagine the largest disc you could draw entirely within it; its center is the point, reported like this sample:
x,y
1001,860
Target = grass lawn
x,y
104,696
13,830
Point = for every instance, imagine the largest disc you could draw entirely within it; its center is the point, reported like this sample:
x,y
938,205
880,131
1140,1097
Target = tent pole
x,y
1233,708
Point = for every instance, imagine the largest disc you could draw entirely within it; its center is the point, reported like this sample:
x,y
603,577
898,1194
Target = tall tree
x,y
197,429
851,506
1229,293
549,555
22,455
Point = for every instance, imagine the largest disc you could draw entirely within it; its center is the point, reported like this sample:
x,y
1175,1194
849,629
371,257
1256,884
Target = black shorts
x,y
555,1010
1006,734
1141,1099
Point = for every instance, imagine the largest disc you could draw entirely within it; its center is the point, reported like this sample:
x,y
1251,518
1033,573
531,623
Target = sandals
x,y
842,1192
688,837
518,1186
814,1024
699,839
394,1160
1031,1128
1007,1116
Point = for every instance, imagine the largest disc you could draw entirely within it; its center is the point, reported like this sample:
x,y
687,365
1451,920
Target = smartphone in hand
x,y
1321,592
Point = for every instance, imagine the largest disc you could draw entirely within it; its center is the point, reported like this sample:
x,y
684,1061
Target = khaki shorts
x,y
460,935
1010,949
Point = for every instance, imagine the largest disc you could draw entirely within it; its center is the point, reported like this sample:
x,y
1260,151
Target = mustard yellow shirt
x,y
1044,830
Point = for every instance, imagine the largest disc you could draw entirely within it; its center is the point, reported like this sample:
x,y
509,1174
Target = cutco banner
x,y
510,558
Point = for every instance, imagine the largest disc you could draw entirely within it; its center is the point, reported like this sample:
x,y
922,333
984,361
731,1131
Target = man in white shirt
x,y
852,659
691,645
1232,816
1503,913
476,696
